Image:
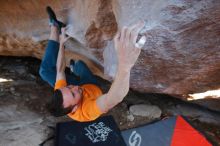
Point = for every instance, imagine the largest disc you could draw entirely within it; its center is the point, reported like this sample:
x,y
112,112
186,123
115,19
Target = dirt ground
x,y
24,119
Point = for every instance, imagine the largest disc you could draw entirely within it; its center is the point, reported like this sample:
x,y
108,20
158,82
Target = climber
x,y
81,99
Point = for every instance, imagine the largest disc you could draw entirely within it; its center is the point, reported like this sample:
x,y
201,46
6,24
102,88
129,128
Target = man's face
x,y
71,96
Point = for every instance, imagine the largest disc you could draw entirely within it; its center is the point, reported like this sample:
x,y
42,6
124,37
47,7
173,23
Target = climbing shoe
x,y
53,19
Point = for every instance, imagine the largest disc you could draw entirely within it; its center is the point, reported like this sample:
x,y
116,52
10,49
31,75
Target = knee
x,y
81,67
80,63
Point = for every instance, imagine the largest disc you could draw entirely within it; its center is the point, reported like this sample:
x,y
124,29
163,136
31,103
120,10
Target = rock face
x,y
181,56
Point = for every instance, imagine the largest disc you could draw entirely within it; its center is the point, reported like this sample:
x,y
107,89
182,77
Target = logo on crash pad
x,y
97,132
135,139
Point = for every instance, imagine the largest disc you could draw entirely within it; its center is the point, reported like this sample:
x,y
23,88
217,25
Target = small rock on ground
x,y
130,117
146,110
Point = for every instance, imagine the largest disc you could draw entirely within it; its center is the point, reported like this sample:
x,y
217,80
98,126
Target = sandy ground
x,y
24,120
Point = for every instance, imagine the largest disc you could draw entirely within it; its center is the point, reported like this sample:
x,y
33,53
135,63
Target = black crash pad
x,y
101,132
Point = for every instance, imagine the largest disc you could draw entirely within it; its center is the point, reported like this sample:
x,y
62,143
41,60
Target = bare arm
x,y
127,55
61,65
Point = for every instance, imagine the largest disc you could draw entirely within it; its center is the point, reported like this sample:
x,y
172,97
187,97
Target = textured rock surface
x,y
182,52
183,45
20,126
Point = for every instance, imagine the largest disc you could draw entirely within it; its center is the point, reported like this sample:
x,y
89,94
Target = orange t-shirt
x,y
87,110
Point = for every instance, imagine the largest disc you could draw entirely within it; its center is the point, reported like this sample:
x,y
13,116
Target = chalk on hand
x,y
141,42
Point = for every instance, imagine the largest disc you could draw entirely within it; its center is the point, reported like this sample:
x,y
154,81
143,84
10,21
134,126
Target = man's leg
x,y
48,64
86,76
